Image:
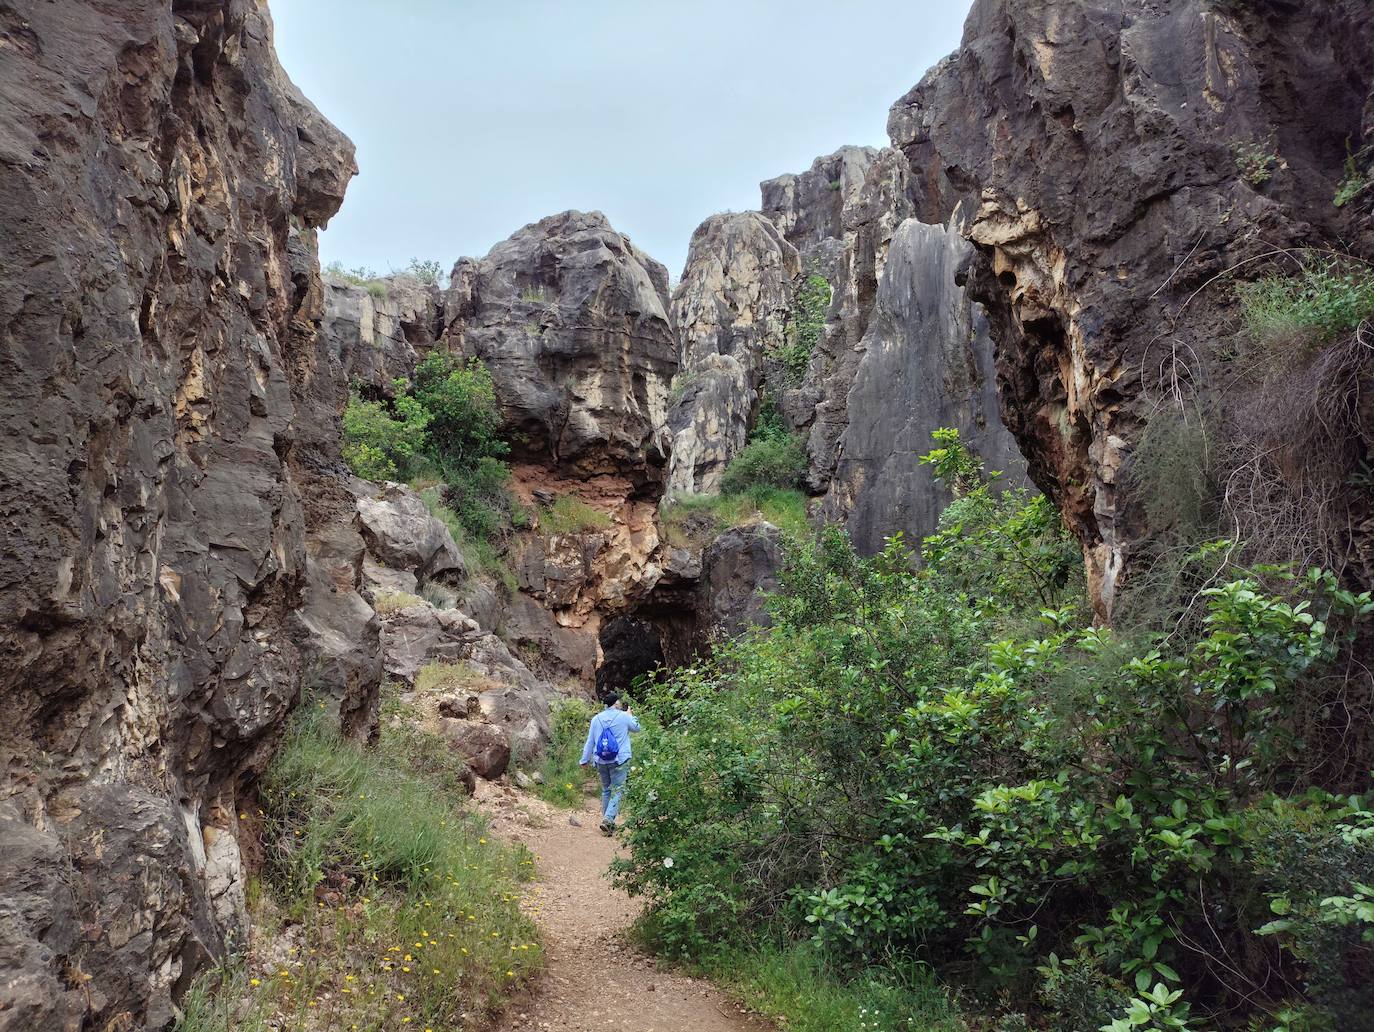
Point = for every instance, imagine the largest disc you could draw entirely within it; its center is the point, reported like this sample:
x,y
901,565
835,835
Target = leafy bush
x,y
382,442
1325,299
766,462
464,420
569,514
1355,182
946,760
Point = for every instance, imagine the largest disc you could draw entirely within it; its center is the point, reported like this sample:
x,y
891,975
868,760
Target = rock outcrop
x,y
1109,167
164,397
730,310
572,320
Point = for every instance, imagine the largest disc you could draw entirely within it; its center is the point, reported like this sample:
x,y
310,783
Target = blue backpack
x,y
607,746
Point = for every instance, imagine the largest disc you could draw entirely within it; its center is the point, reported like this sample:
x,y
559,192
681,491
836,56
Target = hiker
x,y
608,743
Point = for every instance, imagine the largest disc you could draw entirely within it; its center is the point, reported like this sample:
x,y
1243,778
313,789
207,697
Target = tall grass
x,y
565,782
570,515
793,983
481,552
408,914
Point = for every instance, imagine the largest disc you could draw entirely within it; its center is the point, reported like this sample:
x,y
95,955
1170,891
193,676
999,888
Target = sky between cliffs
x,y
473,118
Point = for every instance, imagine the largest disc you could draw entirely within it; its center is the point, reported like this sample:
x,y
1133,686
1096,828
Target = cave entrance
x,y
630,648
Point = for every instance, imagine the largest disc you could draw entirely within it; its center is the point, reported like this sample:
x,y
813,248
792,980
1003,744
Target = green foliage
x,y
382,442
1255,163
408,916
568,514
766,462
479,550
799,986
945,759
464,420
1355,181
805,324
565,782
359,275
425,270
1325,299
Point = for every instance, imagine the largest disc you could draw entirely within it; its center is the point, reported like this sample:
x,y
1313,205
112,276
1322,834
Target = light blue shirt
x,y
620,722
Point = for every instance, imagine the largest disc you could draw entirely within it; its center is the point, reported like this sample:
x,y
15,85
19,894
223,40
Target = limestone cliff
x,y
1113,167
165,403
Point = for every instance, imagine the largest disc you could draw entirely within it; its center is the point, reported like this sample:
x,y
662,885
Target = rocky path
x,y
595,980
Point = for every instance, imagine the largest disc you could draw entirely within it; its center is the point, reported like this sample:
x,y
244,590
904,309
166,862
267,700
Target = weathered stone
x,y
163,396
485,748
739,568
925,362
402,534
572,320
1093,160
730,311
377,333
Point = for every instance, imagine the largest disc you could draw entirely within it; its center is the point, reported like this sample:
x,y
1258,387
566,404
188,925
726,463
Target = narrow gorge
x,y
228,508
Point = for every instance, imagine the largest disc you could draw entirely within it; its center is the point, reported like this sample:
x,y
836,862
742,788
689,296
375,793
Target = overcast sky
x,y
475,117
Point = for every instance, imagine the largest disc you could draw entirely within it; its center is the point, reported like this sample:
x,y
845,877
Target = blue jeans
x,y
613,777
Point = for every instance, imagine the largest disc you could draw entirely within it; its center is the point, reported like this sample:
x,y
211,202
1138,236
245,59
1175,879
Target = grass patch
x,y
571,515
448,677
566,783
1325,299
480,552
795,984
408,916
388,602
686,516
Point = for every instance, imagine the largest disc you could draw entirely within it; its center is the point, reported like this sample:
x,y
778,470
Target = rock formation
x,y
1098,160
572,320
730,310
165,402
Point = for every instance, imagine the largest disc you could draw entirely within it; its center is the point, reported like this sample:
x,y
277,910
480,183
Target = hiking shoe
x,y
608,828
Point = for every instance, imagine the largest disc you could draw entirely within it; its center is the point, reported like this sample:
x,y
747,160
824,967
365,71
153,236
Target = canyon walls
x,y
166,403
1113,166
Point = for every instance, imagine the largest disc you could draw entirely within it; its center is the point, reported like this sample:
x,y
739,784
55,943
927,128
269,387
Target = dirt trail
x,y
595,979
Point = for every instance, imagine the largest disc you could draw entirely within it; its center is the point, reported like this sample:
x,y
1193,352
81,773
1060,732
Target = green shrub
x,y
464,419
1355,182
481,552
1255,163
382,441
805,325
947,761
569,514
565,782
1325,299
766,462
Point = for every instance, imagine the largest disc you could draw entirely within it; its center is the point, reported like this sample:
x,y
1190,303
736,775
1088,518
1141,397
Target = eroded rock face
x,y
730,311
572,320
925,362
164,393
1094,160
379,334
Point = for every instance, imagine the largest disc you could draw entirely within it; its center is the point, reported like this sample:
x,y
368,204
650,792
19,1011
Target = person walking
x,y
608,744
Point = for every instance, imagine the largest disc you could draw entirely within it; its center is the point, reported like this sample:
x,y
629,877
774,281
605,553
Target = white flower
x,y
667,861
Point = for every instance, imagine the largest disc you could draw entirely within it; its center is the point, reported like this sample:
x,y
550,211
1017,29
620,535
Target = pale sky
x,y
473,118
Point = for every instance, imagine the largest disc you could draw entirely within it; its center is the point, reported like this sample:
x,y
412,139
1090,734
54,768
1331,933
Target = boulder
x,y
739,568
572,320
402,534
485,748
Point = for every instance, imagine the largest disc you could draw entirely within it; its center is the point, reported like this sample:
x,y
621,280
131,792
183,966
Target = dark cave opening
x,y
630,648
